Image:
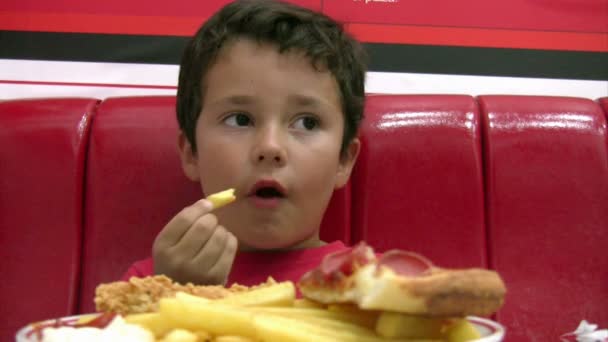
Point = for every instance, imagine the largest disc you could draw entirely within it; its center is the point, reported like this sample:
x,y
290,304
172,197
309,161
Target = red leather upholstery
x,y
418,181
42,150
135,185
604,104
336,224
547,187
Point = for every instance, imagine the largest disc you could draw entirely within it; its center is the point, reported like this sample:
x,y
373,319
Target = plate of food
x,y
353,295
120,330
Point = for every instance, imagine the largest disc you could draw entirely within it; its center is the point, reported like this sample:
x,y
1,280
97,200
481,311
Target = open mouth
x,y
268,192
267,189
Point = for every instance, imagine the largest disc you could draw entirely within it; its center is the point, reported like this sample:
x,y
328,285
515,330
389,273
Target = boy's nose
x,y
270,148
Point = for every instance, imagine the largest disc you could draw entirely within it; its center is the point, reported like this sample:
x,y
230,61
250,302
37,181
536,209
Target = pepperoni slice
x,y
346,261
405,263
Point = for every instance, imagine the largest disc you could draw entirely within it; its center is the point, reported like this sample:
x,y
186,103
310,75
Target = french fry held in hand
x,y
222,198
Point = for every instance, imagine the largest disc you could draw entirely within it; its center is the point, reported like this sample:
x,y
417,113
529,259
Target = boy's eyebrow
x,y
306,101
236,100
299,100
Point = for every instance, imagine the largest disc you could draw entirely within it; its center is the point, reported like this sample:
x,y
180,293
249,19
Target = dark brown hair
x,y
287,26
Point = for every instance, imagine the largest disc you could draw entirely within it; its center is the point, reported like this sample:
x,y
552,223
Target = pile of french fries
x,y
273,313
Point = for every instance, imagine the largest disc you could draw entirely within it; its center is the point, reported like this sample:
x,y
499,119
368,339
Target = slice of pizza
x,y
404,282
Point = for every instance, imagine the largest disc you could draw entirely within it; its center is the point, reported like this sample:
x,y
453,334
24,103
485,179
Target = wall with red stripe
x,y
541,25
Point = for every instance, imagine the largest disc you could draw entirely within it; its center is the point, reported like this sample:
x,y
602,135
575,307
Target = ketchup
x,y
345,262
335,266
100,321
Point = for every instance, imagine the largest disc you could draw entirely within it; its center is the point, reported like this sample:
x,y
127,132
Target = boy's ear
x,y
188,158
347,162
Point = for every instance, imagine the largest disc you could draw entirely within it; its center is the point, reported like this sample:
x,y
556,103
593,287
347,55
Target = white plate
x,y
490,331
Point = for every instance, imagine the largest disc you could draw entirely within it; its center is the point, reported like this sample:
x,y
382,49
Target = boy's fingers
x,y
173,232
224,263
213,249
196,237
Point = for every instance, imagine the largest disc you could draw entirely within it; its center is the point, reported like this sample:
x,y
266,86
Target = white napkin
x,y
586,332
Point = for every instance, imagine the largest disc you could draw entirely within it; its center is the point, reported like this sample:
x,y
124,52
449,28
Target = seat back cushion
x,y
547,188
42,154
134,185
418,183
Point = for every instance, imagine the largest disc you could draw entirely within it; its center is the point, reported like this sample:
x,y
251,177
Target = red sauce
x,y
100,321
338,265
346,262
405,263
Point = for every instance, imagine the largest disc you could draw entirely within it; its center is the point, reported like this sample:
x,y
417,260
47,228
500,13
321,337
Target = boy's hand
x,y
192,247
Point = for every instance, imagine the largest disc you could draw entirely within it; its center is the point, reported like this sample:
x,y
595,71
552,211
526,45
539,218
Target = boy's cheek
x,y
219,170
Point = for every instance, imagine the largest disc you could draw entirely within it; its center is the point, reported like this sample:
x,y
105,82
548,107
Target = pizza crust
x,y
435,292
442,292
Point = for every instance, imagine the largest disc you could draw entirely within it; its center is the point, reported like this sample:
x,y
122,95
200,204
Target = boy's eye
x,y
306,122
238,120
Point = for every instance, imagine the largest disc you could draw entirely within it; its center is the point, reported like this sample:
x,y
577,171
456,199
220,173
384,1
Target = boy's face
x,y
271,127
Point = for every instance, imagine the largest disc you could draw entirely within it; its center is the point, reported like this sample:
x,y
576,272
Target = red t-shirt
x,y
252,268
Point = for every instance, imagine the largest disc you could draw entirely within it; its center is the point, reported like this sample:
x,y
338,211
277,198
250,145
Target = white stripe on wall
x,y
103,80
88,72
17,91
382,82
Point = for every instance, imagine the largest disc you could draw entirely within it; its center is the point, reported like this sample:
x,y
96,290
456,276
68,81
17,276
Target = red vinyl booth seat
x,y
134,185
418,181
547,193
514,183
42,151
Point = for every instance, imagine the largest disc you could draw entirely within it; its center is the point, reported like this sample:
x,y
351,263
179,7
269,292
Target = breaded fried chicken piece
x,y
140,295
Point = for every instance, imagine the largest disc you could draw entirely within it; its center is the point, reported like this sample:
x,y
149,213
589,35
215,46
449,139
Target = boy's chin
x,y
270,244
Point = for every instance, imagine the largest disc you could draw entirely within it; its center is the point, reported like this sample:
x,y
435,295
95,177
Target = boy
x,y
269,100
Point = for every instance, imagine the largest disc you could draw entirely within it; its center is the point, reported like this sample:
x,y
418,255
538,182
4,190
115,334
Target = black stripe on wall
x,y
85,47
383,57
489,61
